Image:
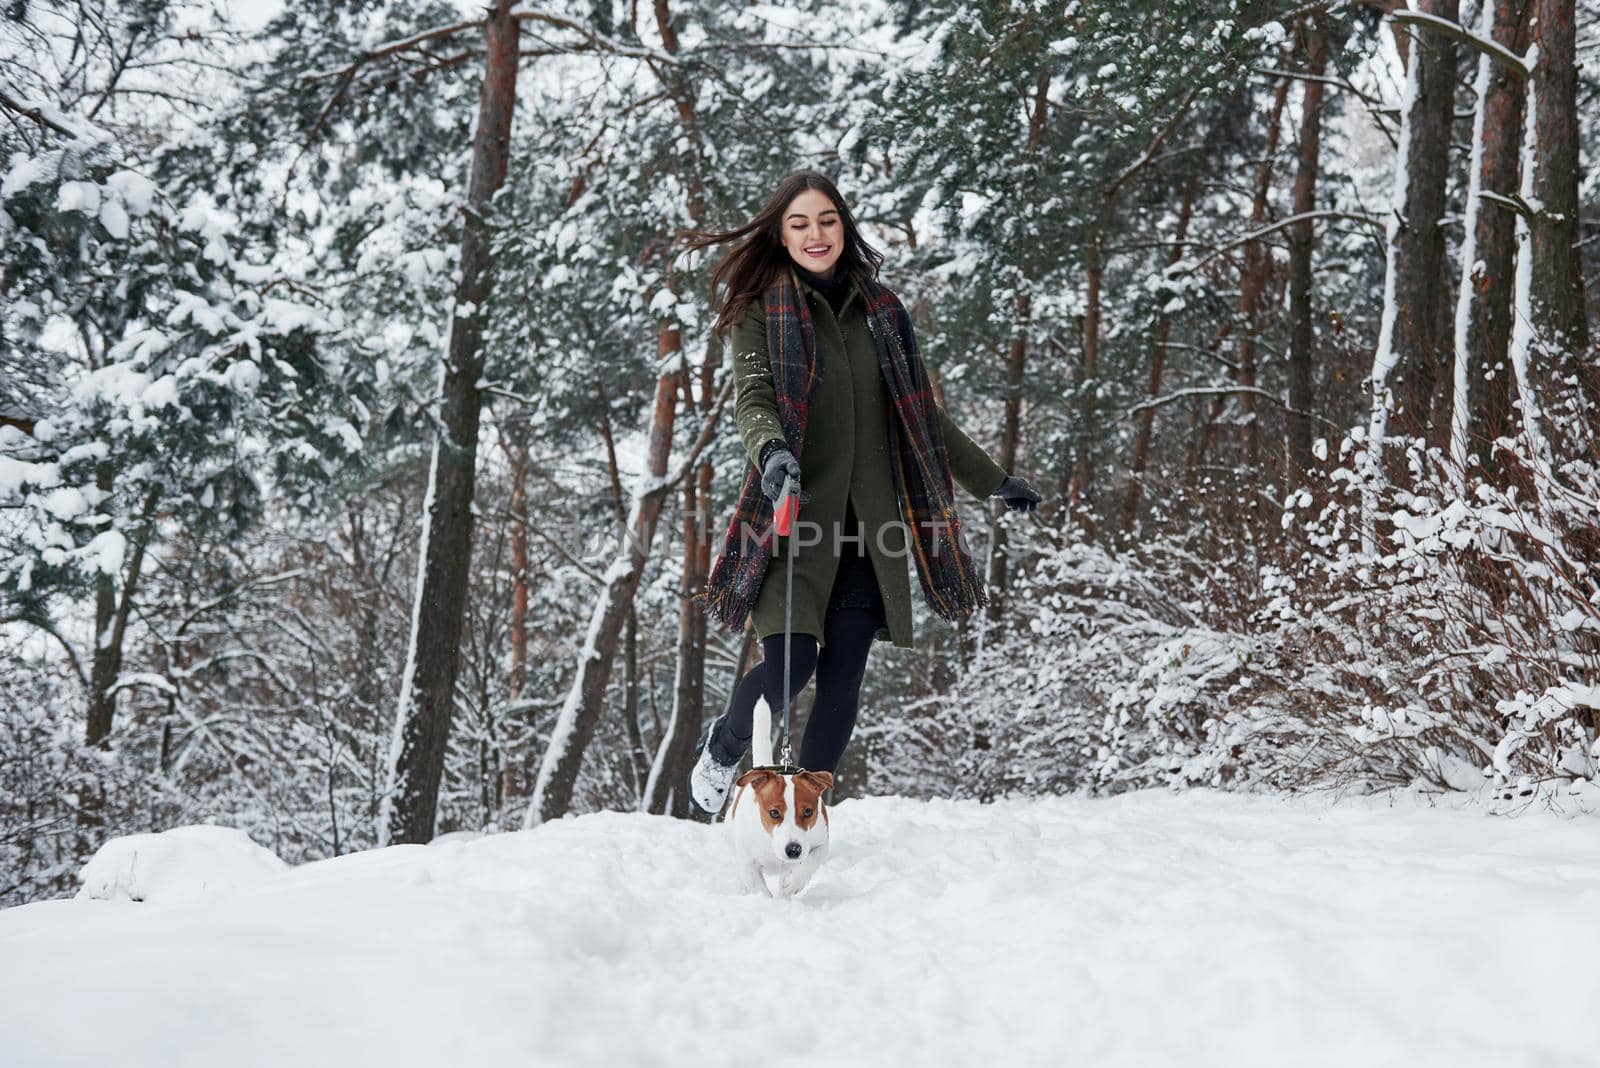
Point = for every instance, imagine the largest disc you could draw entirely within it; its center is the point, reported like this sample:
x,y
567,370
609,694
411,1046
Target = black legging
x,y
842,666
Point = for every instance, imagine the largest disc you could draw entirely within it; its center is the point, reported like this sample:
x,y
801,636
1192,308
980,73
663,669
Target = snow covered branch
x,y
1514,204
1461,35
35,113
1218,391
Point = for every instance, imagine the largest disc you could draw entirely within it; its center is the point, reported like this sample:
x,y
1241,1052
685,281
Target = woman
x,y
830,383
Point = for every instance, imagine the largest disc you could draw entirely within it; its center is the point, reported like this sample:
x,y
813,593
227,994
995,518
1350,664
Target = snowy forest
x,y
364,442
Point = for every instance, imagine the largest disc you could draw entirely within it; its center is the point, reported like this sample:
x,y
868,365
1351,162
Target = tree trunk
x,y
703,483
518,677
1252,292
512,780
1253,275
1406,364
677,749
111,616
1158,365
1558,305
427,690
107,662
1481,394
675,754
1080,480
1302,236
638,755
689,700
1010,436
558,773
1528,329
1412,349
1016,364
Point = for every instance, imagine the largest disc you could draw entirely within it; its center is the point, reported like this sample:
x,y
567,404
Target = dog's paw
x,y
791,887
754,882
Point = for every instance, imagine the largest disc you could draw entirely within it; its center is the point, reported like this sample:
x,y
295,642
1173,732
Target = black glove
x,y
781,463
1019,496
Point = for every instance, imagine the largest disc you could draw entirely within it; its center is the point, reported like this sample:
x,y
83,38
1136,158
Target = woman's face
x,y
812,231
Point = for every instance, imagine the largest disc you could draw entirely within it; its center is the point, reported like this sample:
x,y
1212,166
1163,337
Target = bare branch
x,y
1155,144
1189,266
1337,83
708,428
391,48
555,543
755,46
596,40
1218,391
66,646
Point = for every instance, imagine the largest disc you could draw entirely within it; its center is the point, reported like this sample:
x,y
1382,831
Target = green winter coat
x,y
846,454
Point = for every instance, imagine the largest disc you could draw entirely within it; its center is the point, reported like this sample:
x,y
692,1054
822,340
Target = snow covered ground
x,y
1151,929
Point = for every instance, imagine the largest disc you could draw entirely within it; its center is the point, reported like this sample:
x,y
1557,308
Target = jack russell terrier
x,y
779,821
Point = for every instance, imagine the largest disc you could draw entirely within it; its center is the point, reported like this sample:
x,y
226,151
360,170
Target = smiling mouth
x,y
821,250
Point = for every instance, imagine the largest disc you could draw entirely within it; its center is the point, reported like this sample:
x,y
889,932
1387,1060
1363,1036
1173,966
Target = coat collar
x,y
852,292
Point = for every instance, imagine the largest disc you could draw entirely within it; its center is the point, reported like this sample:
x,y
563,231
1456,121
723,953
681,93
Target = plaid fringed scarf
x,y
950,582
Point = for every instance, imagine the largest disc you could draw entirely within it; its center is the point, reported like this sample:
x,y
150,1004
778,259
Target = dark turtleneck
x,y
835,287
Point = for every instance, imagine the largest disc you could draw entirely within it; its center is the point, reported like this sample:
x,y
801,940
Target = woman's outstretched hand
x,y
1018,495
781,464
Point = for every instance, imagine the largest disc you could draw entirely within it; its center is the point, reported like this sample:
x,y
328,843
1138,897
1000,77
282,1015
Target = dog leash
x,y
788,508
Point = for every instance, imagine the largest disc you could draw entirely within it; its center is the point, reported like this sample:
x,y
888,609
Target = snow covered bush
x,y
1120,672
1453,645
1463,626
176,866
58,795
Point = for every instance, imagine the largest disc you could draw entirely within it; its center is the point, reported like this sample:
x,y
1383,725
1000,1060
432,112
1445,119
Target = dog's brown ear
x,y
819,780
754,775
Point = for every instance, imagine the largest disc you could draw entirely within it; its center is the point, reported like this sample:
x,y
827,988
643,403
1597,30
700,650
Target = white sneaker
x,y
710,779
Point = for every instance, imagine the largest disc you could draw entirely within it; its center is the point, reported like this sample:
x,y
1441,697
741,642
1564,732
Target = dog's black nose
x,y
792,851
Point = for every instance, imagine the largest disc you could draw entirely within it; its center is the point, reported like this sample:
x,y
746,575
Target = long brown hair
x,y
757,261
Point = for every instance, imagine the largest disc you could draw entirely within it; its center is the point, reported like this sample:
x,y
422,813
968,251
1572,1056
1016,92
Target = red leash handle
x,y
786,509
